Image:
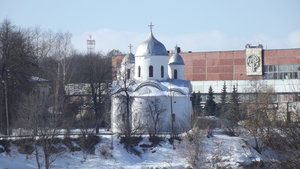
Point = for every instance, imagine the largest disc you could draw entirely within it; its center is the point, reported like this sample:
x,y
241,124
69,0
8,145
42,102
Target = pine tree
x,y
232,113
234,104
224,94
223,105
210,104
193,99
198,98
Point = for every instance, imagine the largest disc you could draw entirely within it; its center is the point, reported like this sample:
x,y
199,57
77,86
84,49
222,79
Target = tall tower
x,y
90,45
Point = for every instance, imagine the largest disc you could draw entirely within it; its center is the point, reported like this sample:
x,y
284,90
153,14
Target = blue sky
x,y
195,25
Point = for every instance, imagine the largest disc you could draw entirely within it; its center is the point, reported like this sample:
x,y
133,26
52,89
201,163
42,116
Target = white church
x,y
159,95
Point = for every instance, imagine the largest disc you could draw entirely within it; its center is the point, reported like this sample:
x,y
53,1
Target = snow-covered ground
x,y
219,150
160,156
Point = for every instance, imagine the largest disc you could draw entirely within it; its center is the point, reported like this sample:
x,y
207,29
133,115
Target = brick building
x,y
231,65
278,68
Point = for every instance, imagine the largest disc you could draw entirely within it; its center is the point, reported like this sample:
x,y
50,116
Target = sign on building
x,y
254,60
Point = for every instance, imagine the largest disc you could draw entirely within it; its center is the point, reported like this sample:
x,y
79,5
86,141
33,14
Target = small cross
x,y
130,46
151,26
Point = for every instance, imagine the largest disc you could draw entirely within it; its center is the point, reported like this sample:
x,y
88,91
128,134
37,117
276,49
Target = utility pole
x,y
6,108
172,115
4,81
288,113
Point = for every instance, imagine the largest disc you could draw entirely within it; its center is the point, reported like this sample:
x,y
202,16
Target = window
x,y
288,71
139,71
175,74
128,73
150,71
162,71
266,68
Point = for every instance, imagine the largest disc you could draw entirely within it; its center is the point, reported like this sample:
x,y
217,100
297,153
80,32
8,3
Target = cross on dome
x,y
130,46
151,26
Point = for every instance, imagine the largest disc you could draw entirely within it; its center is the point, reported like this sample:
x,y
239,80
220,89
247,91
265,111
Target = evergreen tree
x,y
234,104
210,104
198,98
193,99
224,94
232,113
223,105
196,101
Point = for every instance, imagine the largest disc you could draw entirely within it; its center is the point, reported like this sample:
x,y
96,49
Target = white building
x,y
155,83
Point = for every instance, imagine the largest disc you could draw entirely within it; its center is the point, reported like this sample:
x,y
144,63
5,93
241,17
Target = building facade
x,y
245,69
150,93
278,67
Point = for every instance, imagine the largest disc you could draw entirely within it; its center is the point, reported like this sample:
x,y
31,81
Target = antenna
x,y
91,45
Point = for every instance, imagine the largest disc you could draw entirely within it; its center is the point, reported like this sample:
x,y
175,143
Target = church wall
x,y
115,112
124,72
182,109
156,62
180,71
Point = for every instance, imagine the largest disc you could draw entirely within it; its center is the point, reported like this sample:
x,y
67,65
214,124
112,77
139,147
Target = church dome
x,y
129,58
151,47
176,59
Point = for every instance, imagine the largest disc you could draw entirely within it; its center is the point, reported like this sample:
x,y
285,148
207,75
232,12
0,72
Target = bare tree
x,y
127,122
260,113
97,74
17,63
154,110
193,147
43,126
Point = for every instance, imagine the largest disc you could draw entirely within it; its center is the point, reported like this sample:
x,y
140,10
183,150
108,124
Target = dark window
x,y
162,71
280,76
297,67
128,73
139,71
266,68
150,71
175,74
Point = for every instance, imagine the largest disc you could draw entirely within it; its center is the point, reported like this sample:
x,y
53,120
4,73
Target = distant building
x,y
156,85
41,86
277,68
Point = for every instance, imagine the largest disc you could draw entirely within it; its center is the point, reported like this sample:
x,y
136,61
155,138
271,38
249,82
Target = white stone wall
x,y
243,86
180,71
123,70
156,61
182,109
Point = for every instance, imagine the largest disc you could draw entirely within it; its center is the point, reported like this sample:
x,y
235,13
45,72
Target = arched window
x,y
150,71
162,71
128,73
175,74
139,71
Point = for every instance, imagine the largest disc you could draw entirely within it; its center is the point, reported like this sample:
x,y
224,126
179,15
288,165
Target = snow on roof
x,y
77,89
36,79
156,88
